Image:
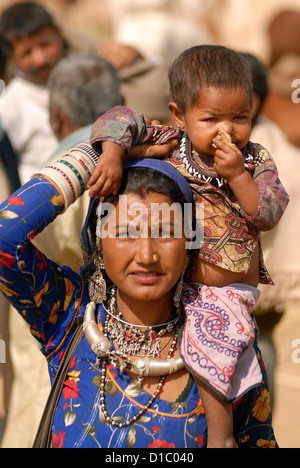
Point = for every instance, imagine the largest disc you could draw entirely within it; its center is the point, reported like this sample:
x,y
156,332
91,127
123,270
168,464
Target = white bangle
x,y
72,171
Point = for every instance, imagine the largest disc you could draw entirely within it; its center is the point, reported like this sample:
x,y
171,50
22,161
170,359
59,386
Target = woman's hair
x,y
142,181
207,66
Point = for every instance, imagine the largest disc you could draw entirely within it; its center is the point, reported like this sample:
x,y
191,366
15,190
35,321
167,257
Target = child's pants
x,y
216,342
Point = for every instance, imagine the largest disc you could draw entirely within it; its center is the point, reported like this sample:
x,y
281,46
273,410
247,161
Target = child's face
x,y
216,108
36,54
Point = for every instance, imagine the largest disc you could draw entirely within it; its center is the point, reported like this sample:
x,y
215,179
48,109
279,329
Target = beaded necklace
x,y
206,174
152,399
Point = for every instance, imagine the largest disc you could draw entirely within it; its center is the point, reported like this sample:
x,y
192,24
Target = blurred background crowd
x,y
64,63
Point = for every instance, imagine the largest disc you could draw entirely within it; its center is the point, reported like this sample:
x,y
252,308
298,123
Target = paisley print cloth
x,y
218,336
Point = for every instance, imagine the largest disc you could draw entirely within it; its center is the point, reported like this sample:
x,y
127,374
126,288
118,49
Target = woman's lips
x,y
146,277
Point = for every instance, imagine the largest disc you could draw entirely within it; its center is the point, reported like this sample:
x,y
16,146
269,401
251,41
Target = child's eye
x,y
210,119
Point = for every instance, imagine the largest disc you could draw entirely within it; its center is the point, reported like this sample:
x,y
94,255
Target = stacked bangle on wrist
x,y
71,172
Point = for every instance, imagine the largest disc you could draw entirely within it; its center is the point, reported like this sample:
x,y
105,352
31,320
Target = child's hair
x,y
24,19
207,66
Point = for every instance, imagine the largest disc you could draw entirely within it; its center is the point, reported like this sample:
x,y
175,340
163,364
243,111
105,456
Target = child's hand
x,y
153,151
106,179
228,162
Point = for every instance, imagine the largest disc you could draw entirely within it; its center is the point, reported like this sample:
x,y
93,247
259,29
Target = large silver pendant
x,y
101,346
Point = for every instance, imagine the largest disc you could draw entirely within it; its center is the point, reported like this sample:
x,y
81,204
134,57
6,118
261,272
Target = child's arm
x,y
262,197
121,135
106,178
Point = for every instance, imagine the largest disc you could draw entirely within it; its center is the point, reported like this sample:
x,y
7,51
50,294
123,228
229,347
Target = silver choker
x,y
102,347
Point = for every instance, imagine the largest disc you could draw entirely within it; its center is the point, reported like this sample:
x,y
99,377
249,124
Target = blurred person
x,y
159,28
284,72
280,246
35,46
75,104
90,18
10,180
81,88
244,24
144,82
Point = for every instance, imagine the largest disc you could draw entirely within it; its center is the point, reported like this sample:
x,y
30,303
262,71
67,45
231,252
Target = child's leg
x,y
219,419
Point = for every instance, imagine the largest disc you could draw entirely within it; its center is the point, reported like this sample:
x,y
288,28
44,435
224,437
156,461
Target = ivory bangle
x,y
62,182
72,172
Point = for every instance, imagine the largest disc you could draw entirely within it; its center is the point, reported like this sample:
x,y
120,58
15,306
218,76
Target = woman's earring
x,y
97,283
178,292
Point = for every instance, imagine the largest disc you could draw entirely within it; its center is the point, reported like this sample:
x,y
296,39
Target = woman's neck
x,y
148,313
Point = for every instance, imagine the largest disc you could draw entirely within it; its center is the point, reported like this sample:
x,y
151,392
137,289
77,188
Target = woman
x,y
127,385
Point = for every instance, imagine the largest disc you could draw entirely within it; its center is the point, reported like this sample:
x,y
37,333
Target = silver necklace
x,y
130,339
102,348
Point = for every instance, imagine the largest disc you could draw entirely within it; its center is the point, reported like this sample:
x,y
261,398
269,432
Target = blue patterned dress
x,y
52,299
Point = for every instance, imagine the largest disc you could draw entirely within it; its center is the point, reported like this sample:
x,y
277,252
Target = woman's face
x,y
144,248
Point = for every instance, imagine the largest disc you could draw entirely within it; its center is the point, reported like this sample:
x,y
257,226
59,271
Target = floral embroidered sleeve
x,y
273,198
42,292
127,129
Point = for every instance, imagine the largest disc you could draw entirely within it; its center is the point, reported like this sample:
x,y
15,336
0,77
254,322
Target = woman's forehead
x,y
155,207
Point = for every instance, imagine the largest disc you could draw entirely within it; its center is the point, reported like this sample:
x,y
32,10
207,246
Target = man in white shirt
x,y
35,46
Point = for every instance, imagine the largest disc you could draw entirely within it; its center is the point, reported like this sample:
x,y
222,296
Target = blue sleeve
x,y
46,295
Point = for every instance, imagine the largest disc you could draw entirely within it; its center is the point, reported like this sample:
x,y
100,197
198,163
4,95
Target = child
x,y
35,45
237,182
